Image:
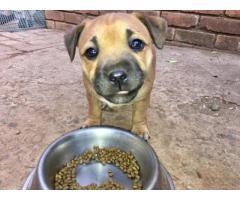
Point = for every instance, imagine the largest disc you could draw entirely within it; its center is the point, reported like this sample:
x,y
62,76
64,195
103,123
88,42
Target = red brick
x,y
73,18
233,13
228,43
208,12
50,24
180,19
91,12
195,37
54,15
170,33
220,25
63,26
68,10
149,12
101,12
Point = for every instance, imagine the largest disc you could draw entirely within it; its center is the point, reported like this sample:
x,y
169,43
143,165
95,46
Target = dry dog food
x,y
65,179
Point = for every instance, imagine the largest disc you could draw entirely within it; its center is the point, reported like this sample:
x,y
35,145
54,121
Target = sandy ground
x,y
194,117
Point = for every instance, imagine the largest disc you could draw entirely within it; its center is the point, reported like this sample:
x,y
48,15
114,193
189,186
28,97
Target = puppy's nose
x,y
118,77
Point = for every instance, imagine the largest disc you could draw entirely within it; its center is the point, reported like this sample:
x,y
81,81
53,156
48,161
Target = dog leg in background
x,y
139,118
94,108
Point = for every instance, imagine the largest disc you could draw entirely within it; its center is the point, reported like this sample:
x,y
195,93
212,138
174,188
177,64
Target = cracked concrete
x,y
194,116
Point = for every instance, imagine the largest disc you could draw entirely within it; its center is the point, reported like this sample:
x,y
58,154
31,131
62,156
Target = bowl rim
x,y
54,143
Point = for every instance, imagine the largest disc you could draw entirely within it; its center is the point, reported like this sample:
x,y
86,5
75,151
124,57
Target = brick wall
x,y
218,29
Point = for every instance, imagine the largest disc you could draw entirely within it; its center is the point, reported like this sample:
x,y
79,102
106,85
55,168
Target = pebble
x,y
18,132
199,174
4,96
215,107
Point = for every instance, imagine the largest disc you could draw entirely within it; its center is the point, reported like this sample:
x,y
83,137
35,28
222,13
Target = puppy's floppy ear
x,y
157,27
71,39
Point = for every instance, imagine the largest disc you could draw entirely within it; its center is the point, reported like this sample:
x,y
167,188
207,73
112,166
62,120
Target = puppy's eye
x,y
136,44
91,53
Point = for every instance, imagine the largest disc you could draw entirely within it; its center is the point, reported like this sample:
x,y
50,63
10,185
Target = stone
x,y
215,107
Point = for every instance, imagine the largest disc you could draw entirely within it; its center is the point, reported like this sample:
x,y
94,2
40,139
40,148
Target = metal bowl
x,y
61,151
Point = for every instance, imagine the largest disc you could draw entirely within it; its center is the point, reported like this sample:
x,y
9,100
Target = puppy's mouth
x,y
123,96
123,92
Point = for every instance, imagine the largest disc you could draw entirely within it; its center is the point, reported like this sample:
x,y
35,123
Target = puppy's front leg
x,y
94,111
139,119
94,107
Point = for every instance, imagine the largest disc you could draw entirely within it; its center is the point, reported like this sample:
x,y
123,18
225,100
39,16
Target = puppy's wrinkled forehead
x,y
112,30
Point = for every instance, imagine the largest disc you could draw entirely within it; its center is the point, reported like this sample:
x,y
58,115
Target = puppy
x,y
118,60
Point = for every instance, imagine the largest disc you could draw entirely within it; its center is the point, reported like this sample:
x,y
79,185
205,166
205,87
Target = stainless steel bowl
x,y
61,151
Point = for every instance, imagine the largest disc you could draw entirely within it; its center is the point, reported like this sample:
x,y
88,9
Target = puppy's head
x,y
116,52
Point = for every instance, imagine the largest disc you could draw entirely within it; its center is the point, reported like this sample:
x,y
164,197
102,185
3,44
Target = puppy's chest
x,y
117,116
112,108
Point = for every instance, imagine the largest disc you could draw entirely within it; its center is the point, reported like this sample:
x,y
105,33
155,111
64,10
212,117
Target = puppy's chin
x,y
122,97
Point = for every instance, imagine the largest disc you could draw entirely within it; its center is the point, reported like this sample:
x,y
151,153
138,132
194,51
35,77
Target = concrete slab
x,y
194,116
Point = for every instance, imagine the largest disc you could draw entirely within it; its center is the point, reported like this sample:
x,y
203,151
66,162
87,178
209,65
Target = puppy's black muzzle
x,y
119,81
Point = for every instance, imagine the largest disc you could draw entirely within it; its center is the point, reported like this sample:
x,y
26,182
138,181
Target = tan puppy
x,y
118,61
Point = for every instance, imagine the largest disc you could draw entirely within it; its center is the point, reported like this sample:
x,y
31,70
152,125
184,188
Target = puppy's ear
x,y
71,39
156,26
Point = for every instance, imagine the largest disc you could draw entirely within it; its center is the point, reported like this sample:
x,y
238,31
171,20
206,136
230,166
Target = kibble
x,y
110,173
65,179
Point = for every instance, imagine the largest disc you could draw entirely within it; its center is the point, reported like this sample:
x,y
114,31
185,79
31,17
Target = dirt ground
x,y
194,116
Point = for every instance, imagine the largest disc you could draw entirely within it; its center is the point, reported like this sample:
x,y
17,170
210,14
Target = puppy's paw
x,y
141,130
90,122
